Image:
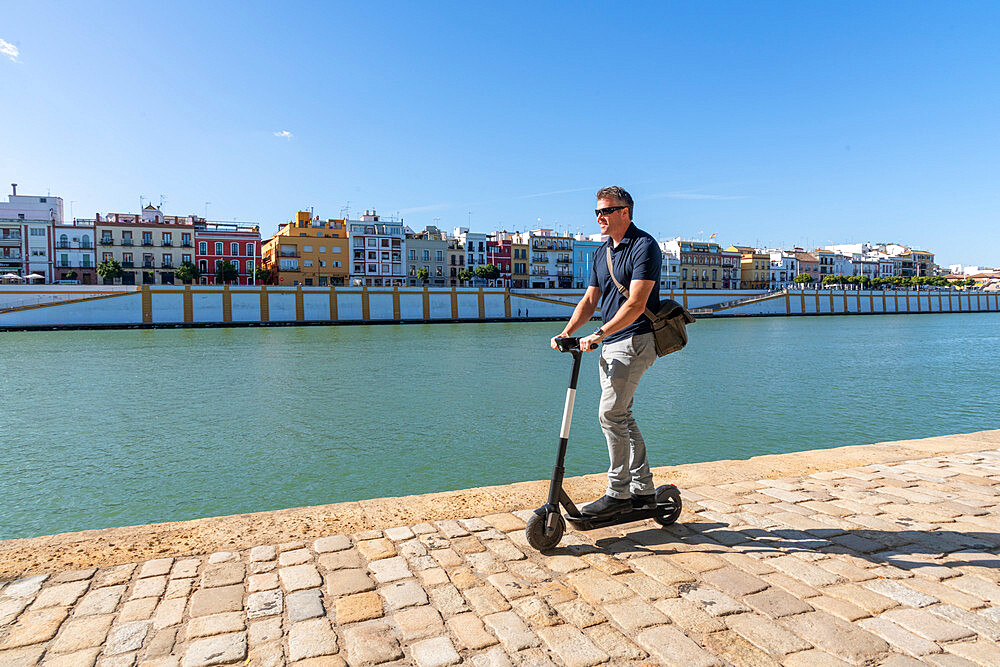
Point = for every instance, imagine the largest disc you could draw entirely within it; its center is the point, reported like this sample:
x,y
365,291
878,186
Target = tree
x,y
803,278
187,273
71,275
263,276
109,269
465,275
487,272
226,273
423,274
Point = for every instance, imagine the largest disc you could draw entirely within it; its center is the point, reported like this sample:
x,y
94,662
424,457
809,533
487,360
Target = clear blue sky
x,y
794,123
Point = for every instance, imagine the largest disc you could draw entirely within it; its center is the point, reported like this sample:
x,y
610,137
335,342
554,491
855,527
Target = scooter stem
x,y
555,488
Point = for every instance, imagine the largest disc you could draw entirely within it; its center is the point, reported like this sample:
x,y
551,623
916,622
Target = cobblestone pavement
x,y
884,564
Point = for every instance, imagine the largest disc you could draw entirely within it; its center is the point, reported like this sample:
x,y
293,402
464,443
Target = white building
x,y
74,257
784,268
26,245
377,251
550,259
670,268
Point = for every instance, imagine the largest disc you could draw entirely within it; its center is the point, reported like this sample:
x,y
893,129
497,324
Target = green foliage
x,y
264,276
803,278
226,273
187,273
71,275
109,269
465,274
423,274
488,272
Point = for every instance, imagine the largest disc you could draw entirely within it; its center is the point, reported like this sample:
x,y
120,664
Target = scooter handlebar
x,y
570,344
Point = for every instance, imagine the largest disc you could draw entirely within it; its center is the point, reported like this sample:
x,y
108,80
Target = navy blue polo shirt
x,y
637,257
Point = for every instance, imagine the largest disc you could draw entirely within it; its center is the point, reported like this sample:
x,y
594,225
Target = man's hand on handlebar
x,y
553,344
589,343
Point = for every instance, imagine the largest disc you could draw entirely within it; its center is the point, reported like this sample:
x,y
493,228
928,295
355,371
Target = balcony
x,y
146,242
564,260
287,253
10,238
186,244
63,245
128,265
127,242
167,244
149,265
109,242
86,246
166,265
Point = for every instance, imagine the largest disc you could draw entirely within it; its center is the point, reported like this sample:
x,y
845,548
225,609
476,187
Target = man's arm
x,y
638,294
581,314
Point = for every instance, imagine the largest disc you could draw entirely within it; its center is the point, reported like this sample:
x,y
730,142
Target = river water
x,y
114,428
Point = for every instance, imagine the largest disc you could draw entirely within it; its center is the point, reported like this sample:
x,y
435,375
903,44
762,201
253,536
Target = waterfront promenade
x,y
879,554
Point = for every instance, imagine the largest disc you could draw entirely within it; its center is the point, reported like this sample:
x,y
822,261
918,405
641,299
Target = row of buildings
x,y
36,243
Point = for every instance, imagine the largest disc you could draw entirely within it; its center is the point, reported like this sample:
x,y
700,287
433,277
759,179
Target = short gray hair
x,y
620,195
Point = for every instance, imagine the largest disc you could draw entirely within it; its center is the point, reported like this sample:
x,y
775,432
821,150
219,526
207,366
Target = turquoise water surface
x,y
113,428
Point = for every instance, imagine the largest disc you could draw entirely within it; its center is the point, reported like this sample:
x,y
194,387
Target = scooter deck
x,y
586,522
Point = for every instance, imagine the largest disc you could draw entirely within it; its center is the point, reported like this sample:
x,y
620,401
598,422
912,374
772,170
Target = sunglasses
x,y
607,211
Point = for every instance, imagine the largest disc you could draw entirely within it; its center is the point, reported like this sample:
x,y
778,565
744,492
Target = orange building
x,y
309,251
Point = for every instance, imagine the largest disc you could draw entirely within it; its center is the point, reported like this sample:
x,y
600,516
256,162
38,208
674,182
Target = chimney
x,y
14,185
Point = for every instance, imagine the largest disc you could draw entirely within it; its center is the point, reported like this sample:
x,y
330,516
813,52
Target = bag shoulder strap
x,y
622,289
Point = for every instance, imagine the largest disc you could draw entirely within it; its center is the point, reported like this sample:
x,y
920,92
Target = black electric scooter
x,y
546,526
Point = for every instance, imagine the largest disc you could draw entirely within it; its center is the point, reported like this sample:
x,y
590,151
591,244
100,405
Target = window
x,y
86,261
185,258
307,262
289,264
385,268
202,266
186,239
250,266
385,256
335,250
234,249
202,248
412,254
440,270
373,268
427,255
322,263
37,231
372,255
249,250
336,263
440,256
218,248
147,238
372,243
168,260
322,248
359,243
218,263
307,248
168,238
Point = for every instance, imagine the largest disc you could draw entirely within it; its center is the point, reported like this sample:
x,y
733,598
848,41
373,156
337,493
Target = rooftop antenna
x,y
141,199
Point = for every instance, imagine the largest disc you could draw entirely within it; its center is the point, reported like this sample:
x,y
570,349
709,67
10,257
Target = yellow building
x,y
309,251
755,267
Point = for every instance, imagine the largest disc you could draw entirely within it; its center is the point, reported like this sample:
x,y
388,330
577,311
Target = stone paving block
x,y
749,565
504,550
60,595
564,564
218,650
690,616
464,577
580,614
312,638
100,601
716,603
447,599
434,576
70,575
271,654
21,657
223,557
374,550
836,636
421,563
423,528
485,600
358,607
216,624
512,632
262,567
436,652
389,570
33,627
847,571
10,608
348,582
434,541
412,548
495,657
263,631
528,571
185,569
332,543
596,587
790,585
178,588
127,637
928,625
945,593
573,647
451,529
977,586
614,643
470,632
222,574
697,561
419,623
216,600
137,610
305,604
264,603
731,647
343,559
82,658
872,602
299,577
838,607
766,635
900,593
467,545
264,553
813,658
114,575
150,587
510,586
661,569
81,633
403,594
776,603
671,647
979,624
807,573
155,567
169,612
262,582
734,582
899,638
536,611
399,533
647,587
294,557
485,563
980,652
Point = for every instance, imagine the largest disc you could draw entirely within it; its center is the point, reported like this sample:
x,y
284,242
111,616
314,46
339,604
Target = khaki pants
x,y
622,364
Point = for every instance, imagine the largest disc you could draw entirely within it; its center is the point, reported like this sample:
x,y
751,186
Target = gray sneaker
x,y
607,506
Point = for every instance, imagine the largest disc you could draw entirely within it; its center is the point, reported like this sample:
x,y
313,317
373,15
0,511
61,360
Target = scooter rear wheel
x,y
535,532
673,496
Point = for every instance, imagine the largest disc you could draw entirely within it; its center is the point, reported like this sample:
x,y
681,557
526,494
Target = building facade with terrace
x,y
149,245
309,252
26,244
75,259
377,251
233,242
427,250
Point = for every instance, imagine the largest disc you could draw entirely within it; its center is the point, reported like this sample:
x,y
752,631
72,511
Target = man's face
x,y
612,222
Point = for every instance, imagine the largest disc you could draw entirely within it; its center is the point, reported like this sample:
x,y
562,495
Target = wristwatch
x,y
600,333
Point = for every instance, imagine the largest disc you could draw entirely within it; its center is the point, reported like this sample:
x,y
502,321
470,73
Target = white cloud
x,y
9,50
284,134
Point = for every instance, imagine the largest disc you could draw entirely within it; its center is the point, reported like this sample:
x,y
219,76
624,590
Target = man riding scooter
x,y
628,346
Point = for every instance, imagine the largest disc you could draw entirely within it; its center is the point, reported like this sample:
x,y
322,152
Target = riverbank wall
x,y
78,306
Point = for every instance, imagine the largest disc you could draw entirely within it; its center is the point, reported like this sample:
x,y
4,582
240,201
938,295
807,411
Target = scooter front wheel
x,y
535,531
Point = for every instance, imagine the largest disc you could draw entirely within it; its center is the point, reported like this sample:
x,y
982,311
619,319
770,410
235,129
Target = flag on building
x,y
712,236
